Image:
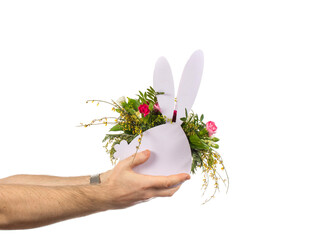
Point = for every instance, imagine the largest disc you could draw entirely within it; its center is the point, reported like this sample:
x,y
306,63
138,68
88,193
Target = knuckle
x,y
124,162
173,191
166,184
119,164
143,188
146,196
170,194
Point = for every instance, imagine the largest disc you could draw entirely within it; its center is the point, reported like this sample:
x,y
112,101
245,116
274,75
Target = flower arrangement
x,y
137,115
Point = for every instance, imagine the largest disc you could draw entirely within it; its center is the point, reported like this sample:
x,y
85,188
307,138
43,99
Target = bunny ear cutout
x,y
189,84
163,82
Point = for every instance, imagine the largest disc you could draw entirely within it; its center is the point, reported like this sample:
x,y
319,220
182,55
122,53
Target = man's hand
x,y
122,187
30,206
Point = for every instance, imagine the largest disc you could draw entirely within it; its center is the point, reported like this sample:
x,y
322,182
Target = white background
x,y
263,84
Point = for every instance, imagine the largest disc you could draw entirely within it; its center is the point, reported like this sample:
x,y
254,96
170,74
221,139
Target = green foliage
x,y
133,103
151,106
197,161
196,143
130,106
150,96
192,124
198,137
117,127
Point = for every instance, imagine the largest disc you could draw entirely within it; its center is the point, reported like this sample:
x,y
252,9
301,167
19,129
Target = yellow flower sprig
x,y
210,172
100,121
98,102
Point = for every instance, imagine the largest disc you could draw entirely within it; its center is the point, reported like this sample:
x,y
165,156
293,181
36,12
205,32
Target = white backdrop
x,y
263,84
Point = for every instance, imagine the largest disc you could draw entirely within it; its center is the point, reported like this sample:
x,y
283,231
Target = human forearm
x,y
27,206
45,180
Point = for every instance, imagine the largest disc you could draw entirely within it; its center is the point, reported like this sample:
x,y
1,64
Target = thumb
x,y
139,158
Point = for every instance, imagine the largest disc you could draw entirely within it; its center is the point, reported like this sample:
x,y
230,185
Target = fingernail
x,y
188,177
146,152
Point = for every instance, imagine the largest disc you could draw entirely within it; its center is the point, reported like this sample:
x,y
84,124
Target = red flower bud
x,y
144,108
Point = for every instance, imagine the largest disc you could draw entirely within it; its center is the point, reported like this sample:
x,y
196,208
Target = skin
x,y
29,201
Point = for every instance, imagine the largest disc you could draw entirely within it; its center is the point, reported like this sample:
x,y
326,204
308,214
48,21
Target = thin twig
x,y
91,124
99,101
226,177
137,148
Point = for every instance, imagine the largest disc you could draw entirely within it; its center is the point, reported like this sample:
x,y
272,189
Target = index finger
x,y
164,182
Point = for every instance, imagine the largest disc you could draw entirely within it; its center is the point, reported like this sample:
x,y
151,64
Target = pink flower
x,y
144,108
156,107
211,127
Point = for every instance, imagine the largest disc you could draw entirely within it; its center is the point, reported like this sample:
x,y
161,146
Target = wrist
x,y
97,191
104,177
95,196
95,179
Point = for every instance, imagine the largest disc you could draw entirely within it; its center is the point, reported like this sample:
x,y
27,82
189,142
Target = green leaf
x,y
183,119
215,146
128,132
133,102
197,143
124,104
185,112
151,90
117,127
130,110
201,118
203,132
151,106
151,95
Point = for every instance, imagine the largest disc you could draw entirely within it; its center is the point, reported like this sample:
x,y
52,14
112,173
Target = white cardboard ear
x,y
189,84
163,82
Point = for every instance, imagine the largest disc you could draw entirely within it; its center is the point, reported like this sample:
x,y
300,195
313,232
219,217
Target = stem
x,y
120,134
98,120
95,124
99,101
227,177
137,148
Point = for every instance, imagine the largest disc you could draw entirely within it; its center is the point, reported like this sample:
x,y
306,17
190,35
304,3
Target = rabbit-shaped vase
x,y
169,146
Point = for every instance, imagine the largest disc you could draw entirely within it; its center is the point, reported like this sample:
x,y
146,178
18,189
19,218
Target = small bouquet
x,y
179,139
